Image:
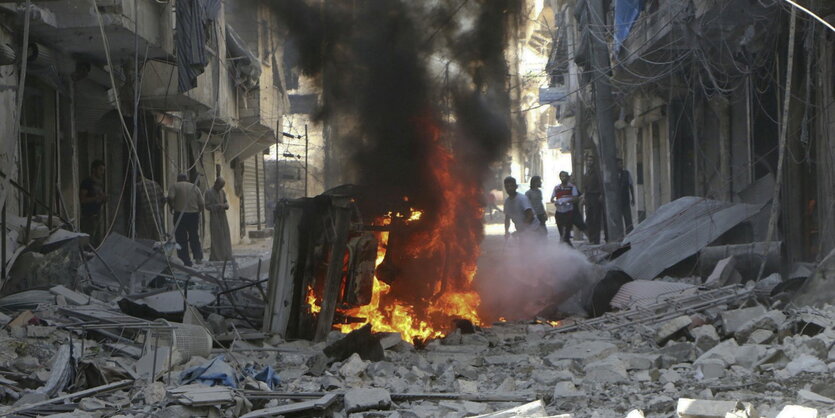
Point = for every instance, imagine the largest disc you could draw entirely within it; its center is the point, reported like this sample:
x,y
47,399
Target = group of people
x,y
528,214
185,201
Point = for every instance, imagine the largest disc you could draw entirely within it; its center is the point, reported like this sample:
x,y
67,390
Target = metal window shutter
x,y
250,191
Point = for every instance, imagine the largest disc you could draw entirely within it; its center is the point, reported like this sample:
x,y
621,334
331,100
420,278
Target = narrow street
x,y
395,209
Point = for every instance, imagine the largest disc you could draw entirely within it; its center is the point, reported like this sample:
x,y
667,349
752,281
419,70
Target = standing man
x,y
149,213
534,195
186,202
627,195
593,200
91,196
518,209
217,205
564,197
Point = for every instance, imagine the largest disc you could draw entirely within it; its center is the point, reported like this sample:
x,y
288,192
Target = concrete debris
x,y
690,351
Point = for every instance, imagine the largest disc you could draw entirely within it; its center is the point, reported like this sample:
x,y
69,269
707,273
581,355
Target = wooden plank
x,y
318,404
342,223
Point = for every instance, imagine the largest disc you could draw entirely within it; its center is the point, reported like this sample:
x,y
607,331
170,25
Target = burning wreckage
x,y
359,314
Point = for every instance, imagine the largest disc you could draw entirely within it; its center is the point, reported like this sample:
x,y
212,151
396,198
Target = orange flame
x,y
311,300
453,237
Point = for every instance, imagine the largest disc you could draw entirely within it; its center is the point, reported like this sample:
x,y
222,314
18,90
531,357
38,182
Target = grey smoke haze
x,y
517,282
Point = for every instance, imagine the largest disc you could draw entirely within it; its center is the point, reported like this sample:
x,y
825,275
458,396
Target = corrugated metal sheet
x,y
648,292
676,231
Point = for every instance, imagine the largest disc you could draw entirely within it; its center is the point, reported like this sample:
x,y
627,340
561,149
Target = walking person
x,y
534,195
186,202
577,218
627,195
518,209
92,197
564,197
217,205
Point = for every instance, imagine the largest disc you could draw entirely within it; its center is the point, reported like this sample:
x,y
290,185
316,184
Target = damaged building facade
x,y
699,107
150,88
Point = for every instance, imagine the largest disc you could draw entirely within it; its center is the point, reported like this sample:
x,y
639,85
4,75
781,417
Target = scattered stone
x,y
805,363
670,328
760,336
353,367
567,390
710,369
154,393
706,337
506,359
679,352
635,413
733,320
549,377
808,395
724,273
725,351
797,411
634,361
610,370
669,376
699,408
357,400
585,352
466,386
390,339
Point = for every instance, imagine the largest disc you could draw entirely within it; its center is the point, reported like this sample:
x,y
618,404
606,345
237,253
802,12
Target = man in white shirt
x,y
517,208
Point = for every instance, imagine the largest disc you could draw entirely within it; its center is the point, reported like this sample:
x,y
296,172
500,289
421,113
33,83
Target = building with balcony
x,y
152,88
699,90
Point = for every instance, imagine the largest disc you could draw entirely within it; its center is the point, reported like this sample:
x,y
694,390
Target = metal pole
x,y
306,143
135,134
3,245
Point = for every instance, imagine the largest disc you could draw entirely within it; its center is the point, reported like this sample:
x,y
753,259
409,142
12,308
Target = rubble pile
x,y
748,361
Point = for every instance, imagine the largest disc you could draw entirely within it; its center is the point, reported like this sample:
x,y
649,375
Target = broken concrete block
x,y
710,369
733,320
679,352
549,377
760,336
466,386
357,400
808,395
725,351
635,413
698,408
353,367
804,363
585,352
390,339
506,359
724,273
671,327
797,411
669,376
634,361
748,355
706,337
771,321
567,390
610,370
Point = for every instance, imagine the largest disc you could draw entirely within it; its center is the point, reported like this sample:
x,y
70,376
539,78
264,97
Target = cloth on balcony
x,y
194,18
626,12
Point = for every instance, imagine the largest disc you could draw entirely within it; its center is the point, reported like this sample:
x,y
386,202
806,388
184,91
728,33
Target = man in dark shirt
x,y
593,200
91,196
627,195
